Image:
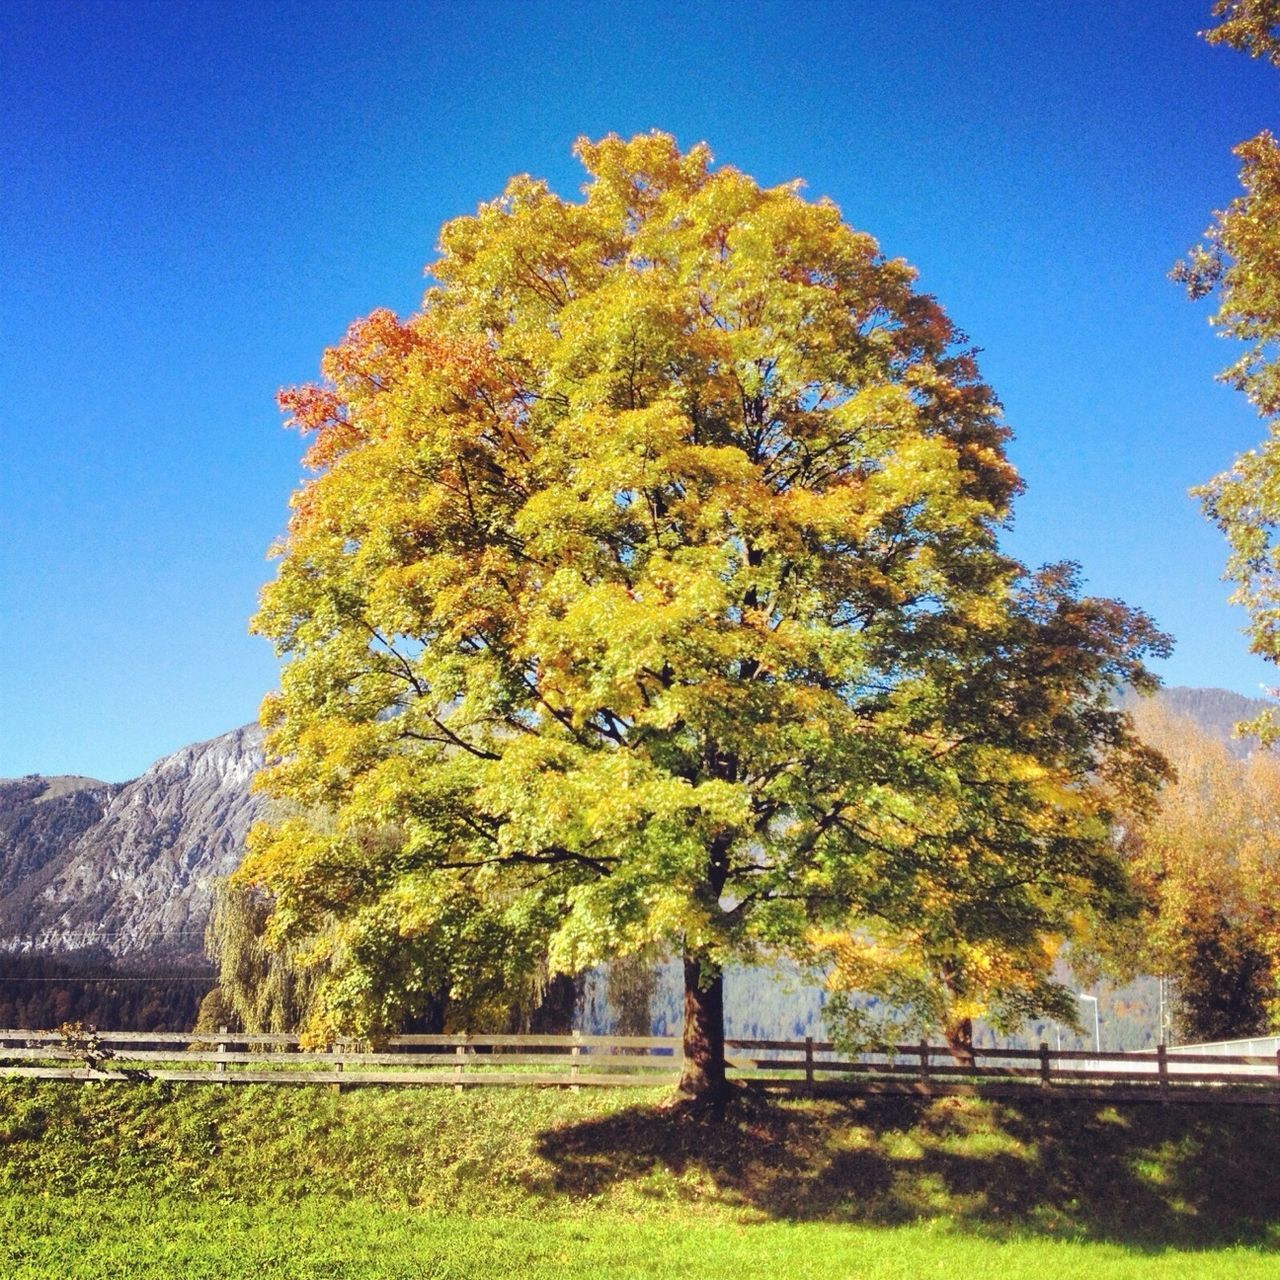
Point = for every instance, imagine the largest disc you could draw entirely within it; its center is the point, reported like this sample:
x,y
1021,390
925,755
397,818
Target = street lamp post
x,y
1097,1034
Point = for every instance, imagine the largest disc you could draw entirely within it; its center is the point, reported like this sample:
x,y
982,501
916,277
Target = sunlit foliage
x,y
1252,26
647,596
1207,863
1239,262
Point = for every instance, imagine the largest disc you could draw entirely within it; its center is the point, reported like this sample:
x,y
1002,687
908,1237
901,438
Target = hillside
x,y
41,819
105,889
135,883
1134,1175
1216,712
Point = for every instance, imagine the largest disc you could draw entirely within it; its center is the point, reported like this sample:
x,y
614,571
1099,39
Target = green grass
x,y
139,1180
132,1239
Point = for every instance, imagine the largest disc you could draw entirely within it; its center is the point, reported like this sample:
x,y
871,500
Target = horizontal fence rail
x,y
576,1060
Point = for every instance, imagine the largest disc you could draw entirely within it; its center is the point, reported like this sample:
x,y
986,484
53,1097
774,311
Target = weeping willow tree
x,y
369,981
260,988
372,984
632,985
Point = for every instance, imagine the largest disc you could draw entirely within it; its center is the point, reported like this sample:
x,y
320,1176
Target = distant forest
x,y
42,992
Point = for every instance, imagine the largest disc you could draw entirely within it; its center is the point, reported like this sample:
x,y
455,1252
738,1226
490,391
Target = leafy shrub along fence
x,y
225,1057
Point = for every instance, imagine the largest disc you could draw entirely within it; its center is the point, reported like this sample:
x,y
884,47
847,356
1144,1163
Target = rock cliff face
x,y
40,818
126,870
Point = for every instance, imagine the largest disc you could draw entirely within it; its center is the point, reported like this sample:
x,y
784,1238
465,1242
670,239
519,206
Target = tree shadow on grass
x,y
1142,1174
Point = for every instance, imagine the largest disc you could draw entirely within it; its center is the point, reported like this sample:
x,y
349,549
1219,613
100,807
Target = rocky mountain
x,y
40,818
125,871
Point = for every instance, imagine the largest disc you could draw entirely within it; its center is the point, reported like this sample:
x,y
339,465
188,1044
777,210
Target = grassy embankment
x,y
145,1180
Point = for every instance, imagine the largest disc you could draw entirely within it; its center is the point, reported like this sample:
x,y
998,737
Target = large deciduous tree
x,y
260,989
1239,260
647,595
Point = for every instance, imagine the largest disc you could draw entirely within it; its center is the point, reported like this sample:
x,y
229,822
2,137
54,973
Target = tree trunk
x,y
553,1014
430,1017
703,1074
960,1041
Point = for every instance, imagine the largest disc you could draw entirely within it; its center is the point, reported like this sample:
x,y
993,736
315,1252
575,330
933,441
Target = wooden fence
x,y
804,1066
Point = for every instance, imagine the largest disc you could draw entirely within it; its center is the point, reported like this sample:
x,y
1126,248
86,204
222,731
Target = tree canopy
x,y
1252,26
1206,864
1239,260
647,594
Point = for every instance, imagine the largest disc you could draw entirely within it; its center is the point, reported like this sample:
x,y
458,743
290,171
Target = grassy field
x,y
142,1180
136,1240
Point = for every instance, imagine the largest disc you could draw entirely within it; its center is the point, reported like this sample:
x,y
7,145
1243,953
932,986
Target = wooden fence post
x,y
575,1055
1162,1069
924,1063
221,1066
336,1048
808,1063
1044,1064
460,1053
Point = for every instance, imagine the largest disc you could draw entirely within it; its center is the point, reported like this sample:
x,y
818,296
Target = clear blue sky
x,y
198,197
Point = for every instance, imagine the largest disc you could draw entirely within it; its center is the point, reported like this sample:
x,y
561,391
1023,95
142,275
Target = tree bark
x,y
960,1041
702,1077
430,1017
